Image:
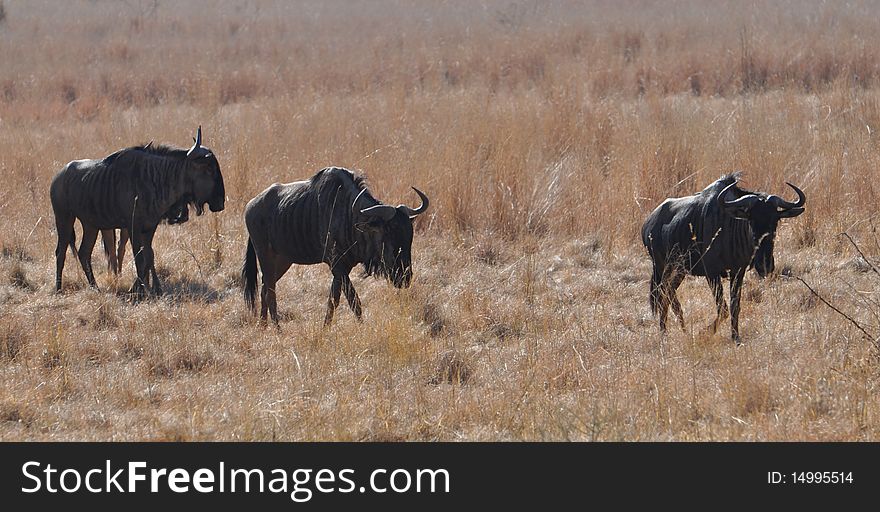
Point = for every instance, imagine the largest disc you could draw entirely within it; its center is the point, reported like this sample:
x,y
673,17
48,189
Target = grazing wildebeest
x,y
331,218
134,189
719,232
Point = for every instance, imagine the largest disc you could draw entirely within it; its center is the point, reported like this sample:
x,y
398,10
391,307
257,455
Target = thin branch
x,y
841,313
853,242
865,299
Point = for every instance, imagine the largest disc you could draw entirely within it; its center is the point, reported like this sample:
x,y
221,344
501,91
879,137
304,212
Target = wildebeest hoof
x,y
137,293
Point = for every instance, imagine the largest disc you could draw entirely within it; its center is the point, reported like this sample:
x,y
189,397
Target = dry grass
x,y
543,132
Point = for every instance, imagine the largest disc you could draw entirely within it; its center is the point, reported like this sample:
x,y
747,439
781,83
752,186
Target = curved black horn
x,y
422,207
197,142
745,201
384,211
357,198
782,203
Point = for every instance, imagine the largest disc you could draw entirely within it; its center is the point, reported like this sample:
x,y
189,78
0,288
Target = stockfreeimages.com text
x,y
301,484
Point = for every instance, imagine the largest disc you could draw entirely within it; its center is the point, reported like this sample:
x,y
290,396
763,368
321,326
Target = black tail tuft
x,y
249,276
654,296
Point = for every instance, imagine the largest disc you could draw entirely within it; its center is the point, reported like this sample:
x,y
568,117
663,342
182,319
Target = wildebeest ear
x,y
738,208
792,212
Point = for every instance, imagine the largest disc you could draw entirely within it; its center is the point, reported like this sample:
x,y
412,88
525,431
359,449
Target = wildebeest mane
x,y
328,178
161,150
153,149
372,264
325,177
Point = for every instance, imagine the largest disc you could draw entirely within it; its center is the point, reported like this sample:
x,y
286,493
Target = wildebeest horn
x,y
356,199
149,144
383,211
197,142
782,203
743,202
409,212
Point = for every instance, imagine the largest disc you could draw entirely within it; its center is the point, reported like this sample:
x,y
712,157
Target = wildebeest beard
x,y
396,273
198,205
375,267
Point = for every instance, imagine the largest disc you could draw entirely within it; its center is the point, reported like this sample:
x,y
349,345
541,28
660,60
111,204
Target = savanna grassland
x,y
543,132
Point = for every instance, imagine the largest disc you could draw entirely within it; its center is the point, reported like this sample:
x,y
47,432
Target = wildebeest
x,y
719,232
331,218
134,188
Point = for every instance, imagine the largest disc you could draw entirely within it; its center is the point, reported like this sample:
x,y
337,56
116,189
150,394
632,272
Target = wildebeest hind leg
x,y
654,291
674,283
120,251
266,264
108,240
64,226
736,282
663,311
279,267
666,294
90,236
720,305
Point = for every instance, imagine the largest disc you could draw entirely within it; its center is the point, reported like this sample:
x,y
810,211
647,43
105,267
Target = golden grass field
x,y
543,132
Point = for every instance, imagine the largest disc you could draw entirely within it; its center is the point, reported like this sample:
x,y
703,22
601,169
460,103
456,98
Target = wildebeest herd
x,y
332,218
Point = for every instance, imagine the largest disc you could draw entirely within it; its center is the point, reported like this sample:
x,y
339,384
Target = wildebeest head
x,y
206,179
763,213
390,233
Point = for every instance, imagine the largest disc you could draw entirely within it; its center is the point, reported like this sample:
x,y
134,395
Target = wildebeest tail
x,y
654,296
249,276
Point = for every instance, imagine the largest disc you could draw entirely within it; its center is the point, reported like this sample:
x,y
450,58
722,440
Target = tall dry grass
x,y
544,132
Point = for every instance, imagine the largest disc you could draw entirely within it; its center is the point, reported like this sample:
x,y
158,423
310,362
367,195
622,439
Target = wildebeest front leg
x,y
90,236
333,301
736,282
354,302
720,305
141,246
